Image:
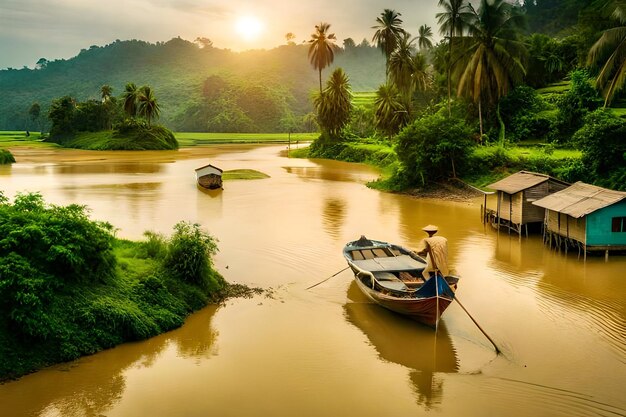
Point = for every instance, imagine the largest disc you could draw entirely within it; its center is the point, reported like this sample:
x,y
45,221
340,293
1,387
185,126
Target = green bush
x,y
6,157
575,104
69,288
188,256
433,147
326,147
601,140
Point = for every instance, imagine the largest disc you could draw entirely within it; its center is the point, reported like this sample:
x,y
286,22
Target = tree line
x,y
484,75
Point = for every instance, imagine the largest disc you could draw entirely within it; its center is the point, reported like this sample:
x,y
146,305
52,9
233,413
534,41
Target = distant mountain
x,y
177,71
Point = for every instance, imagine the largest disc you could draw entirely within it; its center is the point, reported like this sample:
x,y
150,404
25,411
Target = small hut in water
x,y
209,176
585,217
515,195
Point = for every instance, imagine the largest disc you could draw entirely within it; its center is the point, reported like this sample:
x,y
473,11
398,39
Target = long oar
x,y
321,282
498,351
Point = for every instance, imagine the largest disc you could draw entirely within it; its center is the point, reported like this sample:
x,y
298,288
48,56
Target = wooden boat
x,y
209,177
391,276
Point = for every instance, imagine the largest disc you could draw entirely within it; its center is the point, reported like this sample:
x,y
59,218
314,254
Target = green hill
x,y
177,70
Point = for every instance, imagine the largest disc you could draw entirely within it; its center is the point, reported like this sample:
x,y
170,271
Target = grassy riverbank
x,y
486,164
202,138
104,140
69,288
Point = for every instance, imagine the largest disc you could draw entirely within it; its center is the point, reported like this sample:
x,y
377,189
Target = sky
x,y
59,29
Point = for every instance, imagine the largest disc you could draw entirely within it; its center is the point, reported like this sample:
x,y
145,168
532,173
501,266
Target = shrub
x,y
6,157
601,140
188,256
574,105
433,147
326,147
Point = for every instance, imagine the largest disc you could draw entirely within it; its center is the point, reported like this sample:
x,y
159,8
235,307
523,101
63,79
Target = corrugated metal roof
x,y
580,199
519,181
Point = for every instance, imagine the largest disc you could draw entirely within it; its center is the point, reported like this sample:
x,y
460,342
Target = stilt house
x,y
586,217
514,197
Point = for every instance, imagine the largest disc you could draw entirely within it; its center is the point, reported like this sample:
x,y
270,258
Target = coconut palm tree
x,y
452,23
611,49
491,60
390,113
420,76
322,48
408,69
129,96
106,91
400,65
424,37
147,105
388,32
334,104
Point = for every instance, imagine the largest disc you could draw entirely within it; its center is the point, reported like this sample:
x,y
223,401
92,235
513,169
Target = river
x,y
559,321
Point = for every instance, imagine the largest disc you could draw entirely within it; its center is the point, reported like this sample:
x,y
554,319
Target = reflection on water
x,y
334,215
559,320
402,341
93,385
105,168
334,171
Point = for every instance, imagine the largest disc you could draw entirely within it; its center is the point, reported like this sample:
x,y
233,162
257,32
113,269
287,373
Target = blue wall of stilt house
x,y
599,226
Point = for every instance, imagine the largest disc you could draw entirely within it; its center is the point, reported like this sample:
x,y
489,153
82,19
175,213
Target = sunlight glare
x,y
249,27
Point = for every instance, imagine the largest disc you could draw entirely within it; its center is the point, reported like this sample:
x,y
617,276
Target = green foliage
x,y
601,140
362,121
131,134
61,115
390,114
188,256
326,147
6,157
284,70
550,59
575,104
432,148
334,103
230,104
68,288
521,113
42,250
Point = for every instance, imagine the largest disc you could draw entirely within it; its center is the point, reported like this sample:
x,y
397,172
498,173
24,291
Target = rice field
x,y
203,138
363,98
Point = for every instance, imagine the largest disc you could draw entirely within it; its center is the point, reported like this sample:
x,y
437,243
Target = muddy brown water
x,y
560,322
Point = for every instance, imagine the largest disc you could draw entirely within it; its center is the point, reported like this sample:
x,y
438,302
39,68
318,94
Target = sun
x,y
249,27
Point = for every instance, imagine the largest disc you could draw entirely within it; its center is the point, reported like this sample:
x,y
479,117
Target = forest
x,y
542,72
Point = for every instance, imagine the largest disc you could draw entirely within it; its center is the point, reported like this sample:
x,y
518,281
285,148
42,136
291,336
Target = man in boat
x,y
436,250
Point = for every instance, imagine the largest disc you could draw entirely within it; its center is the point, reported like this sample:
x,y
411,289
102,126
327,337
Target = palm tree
x,y
106,91
389,112
420,76
322,48
612,76
388,32
400,65
408,69
490,62
147,105
424,37
452,23
334,104
130,99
